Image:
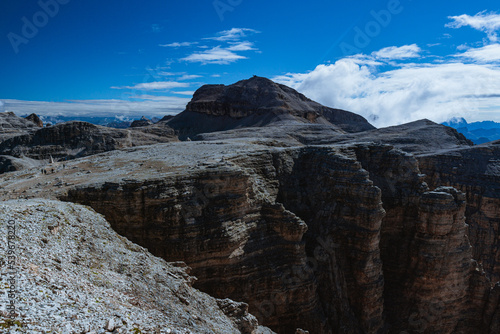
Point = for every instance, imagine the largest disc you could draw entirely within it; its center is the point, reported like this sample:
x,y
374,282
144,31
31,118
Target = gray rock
x,y
257,102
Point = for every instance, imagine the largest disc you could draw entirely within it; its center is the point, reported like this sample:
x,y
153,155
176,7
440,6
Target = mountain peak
x,y
258,101
250,96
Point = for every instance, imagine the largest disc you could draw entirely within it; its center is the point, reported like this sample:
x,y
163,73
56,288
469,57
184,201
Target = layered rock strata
x,y
257,102
69,278
78,139
345,239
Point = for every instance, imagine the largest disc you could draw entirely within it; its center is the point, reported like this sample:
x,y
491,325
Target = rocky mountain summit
x,y
307,215
257,102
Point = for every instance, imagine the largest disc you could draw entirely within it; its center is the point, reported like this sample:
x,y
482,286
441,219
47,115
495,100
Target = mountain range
x,y
255,210
478,132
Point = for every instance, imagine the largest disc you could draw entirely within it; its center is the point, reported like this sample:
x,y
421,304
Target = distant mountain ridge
x,y
118,122
478,132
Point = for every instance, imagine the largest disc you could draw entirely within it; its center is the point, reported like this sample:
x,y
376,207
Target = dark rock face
x,y
141,122
475,171
343,240
417,137
238,243
12,164
257,102
12,125
76,139
35,119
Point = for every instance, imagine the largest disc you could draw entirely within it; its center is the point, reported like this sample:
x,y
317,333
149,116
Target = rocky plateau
x,y
290,215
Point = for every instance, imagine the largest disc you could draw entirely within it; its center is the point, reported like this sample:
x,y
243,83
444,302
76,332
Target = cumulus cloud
x,y
407,92
155,85
216,55
482,21
486,54
402,52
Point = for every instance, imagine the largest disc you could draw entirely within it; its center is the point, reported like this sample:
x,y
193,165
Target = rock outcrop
x,y
257,102
12,125
74,274
141,122
417,137
35,119
77,139
341,239
10,164
476,172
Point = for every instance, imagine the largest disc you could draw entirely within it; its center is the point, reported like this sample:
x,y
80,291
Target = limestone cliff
x,y
77,139
69,278
476,172
328,239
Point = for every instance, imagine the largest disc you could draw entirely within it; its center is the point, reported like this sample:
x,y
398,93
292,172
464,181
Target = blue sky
x,y
391,61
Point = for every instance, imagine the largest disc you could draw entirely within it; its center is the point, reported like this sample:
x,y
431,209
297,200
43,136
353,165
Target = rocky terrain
x,y
12,125
257,102
322,224
75,139
74,274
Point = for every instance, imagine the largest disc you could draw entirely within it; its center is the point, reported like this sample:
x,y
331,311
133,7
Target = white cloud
x,y
407,92
165,74
189,77
233,34
402,52
482,21
158,106
155,85
178,45
486,54
227,52
241,46
186,92
216,55
146,97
